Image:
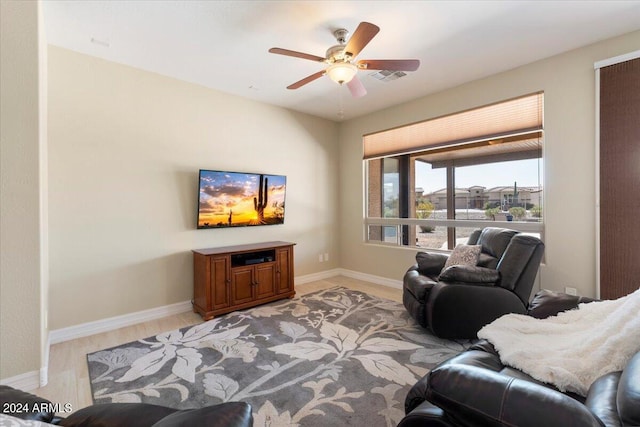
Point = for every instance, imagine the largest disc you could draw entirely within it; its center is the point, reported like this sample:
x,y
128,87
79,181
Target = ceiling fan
x,y
341,57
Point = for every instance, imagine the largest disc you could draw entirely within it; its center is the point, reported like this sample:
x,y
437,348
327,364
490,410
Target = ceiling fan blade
x,y
356,88
361,37
295,54
389,64
306,80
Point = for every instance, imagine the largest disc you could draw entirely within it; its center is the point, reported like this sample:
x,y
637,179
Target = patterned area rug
x,y
333,357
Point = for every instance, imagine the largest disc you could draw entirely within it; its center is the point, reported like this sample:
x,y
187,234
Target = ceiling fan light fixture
x,y
340,60
342,72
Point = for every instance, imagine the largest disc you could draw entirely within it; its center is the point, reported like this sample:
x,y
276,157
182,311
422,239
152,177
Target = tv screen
x,y
238,199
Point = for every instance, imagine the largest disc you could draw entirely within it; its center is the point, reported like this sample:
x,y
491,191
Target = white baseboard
x,y
31,380
392,283
25,382
301,280
112,323
307,278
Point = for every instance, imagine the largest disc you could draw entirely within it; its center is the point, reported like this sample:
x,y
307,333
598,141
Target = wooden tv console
x,y
231,278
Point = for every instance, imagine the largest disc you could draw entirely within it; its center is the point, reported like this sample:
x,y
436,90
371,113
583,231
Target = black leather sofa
x,y
475,389
27,406
455,302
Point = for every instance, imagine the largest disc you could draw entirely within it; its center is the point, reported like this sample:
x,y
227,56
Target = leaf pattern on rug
x,y
333,357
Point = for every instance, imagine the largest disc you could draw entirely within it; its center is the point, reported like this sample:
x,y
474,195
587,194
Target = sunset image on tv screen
x,y
234,199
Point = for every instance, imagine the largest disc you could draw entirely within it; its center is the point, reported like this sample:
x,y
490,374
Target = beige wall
x,y
125,148
22,213
569,86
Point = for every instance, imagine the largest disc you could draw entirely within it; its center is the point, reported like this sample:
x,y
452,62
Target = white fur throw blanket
x,y
574,348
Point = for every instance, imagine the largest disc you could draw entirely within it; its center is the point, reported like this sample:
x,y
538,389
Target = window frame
x,y
404,225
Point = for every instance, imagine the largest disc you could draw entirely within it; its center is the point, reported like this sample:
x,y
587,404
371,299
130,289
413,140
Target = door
x,y
265,280
242,284
220,282
284,280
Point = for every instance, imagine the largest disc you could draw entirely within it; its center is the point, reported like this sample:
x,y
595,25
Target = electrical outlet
x,y
326,256
320,258
570,291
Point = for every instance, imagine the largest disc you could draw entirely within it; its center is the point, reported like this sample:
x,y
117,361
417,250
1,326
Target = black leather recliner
x,y
457,302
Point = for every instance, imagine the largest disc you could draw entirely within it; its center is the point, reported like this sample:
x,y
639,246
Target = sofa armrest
x,y
228,414
475,396
470,275
548,303
425,415
430,263
118,415
20,404
459,310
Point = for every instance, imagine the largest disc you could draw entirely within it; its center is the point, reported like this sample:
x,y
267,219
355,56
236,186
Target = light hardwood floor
x,y
68,373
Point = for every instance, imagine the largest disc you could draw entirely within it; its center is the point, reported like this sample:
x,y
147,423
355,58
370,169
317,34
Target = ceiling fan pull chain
x,y
340,105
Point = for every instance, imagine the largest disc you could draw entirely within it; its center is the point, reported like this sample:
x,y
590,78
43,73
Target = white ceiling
x,y
224,44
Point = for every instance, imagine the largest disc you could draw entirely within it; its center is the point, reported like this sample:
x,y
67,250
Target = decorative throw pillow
x,y
463,255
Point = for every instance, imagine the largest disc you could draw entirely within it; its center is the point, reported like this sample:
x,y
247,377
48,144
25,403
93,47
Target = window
x,y
389,197
426,191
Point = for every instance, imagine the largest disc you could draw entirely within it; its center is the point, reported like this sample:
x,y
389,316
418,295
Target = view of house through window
x,y
502,191
435,197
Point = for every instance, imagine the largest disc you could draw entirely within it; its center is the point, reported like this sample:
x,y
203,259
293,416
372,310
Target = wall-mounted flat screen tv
x,y
239,199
